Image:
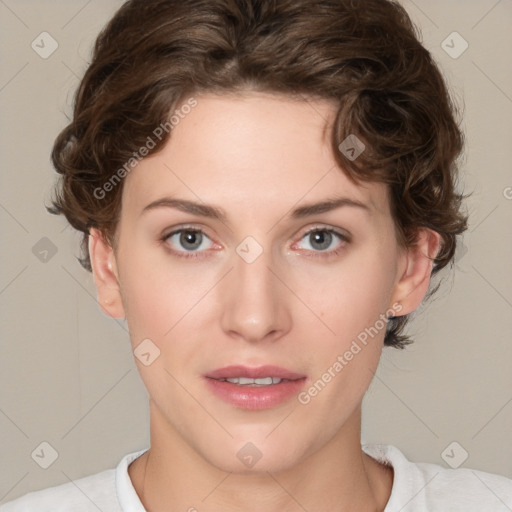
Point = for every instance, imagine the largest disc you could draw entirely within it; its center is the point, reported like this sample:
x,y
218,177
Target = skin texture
x,y
256,156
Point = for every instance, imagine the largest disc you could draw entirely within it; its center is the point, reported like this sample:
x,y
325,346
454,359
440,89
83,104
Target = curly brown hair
x,y
367,59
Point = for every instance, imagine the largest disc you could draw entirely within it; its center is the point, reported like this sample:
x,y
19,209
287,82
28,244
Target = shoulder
x,y
110,490
83,495
419,487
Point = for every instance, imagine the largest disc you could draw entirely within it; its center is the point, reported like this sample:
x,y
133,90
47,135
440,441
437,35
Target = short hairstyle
x,y
367,59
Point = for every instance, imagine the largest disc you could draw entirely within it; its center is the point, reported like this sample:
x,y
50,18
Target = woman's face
x,y
224,260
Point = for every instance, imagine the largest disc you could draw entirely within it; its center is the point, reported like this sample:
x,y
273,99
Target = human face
x,y
212,300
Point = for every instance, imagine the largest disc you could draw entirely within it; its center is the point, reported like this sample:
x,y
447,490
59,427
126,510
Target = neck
x,y
171,475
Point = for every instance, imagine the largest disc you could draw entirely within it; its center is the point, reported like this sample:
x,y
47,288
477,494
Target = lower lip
x,y
255,397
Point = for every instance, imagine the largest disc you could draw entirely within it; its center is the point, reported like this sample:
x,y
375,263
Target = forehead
x,y
254,150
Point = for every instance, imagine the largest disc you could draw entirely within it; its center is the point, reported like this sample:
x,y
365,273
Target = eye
x,y
324,240
188,240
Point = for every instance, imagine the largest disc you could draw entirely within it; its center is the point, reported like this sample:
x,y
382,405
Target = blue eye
x,y
324,240
188,241
194,243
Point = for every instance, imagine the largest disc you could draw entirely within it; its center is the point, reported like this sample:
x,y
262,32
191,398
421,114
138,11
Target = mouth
x,y
246,381
254,388
267,375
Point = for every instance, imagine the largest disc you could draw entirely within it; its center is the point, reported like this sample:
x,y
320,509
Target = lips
x,y
260,372
254,395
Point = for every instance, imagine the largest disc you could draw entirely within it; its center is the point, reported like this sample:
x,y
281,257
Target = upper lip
x,y
257,372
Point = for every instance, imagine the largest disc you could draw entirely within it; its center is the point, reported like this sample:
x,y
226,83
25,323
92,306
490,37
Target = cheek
x,y
163,304
347,355
158,293
351,300
352,296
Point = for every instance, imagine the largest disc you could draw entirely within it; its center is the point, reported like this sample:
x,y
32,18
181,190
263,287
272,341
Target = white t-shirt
x,y
417,487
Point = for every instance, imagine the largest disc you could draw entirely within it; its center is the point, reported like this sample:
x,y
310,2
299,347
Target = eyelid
x,y
189,228
185,227
343,233
343,236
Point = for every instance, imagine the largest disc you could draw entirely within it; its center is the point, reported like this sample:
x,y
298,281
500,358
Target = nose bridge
x,y
253,306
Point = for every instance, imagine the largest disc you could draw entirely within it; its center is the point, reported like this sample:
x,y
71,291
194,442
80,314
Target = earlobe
x,y
105,275
415,272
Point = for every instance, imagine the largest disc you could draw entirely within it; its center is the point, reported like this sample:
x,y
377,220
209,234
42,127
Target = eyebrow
x,y
214,212
327,206
201,209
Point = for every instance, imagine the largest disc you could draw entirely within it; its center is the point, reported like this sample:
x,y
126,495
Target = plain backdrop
x,y
68,377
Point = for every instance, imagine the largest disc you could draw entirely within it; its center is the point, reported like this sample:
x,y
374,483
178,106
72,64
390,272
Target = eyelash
x,y
315,254
344,239
184,254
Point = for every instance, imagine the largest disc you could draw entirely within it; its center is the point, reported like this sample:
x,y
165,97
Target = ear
x,y
105,274
415,270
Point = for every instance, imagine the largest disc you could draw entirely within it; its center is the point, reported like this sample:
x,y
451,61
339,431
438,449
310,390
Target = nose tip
x,y
254,307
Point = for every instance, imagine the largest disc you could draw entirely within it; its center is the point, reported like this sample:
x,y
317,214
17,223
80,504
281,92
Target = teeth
x,y
245,381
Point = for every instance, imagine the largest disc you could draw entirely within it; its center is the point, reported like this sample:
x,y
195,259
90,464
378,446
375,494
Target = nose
x,y
254,301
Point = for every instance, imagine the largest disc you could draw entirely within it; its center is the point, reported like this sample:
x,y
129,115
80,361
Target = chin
x,y
252,455
268,463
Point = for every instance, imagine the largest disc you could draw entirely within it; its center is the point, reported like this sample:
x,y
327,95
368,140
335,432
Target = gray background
x,y
68,376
